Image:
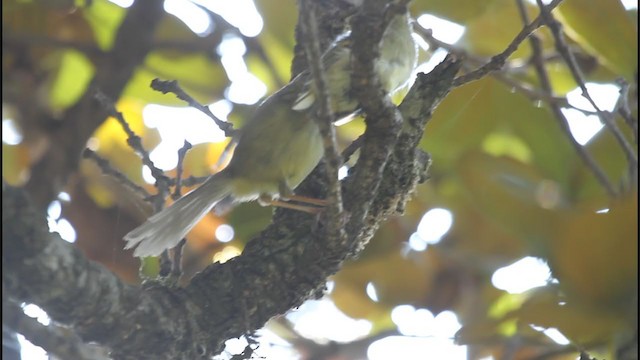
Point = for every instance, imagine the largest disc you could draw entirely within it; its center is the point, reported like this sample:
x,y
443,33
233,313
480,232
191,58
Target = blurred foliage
x,y
501,165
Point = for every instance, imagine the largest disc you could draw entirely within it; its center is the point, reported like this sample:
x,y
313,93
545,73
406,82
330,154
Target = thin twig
x,y
622,108
501,75
176,268
498,61
135,142
323,110
576,72
163,182
537,95
165,266
107,169
538,61
176,260
352,148
173,87
177,192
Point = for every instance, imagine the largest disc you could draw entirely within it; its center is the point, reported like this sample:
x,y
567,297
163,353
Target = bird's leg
x,y
266,200
286,193
306,200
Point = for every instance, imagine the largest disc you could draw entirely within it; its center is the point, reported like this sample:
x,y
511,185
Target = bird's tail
x,y
165,229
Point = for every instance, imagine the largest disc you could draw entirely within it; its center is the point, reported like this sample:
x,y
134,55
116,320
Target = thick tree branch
x,y
58,340
383,120
279,269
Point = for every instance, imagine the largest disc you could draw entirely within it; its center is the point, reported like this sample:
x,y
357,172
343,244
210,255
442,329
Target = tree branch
x,y
279,269
325,118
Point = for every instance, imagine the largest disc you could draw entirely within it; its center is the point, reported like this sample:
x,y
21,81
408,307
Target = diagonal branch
x,y
383,120
279,269
325,116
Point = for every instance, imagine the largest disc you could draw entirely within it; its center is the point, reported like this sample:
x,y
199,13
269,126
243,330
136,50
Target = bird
x,y
281,143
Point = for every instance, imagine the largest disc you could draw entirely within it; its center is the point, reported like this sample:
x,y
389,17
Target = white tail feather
x,y
165,229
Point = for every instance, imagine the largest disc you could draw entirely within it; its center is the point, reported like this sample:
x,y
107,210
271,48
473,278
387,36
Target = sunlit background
x,y
418,330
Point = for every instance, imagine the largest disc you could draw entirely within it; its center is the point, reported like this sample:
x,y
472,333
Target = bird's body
x,y
278,148
297,145
251,173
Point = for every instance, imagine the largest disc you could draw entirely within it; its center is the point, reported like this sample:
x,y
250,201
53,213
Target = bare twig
x,y
175,261
107,169
569,58
538,62
173,87
567,55
176,268
177,192
163,182
622,107
501,75
498,61
135,142
323,112
352,148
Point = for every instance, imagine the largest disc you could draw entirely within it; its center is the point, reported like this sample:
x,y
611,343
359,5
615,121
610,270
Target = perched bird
x,y
281,144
